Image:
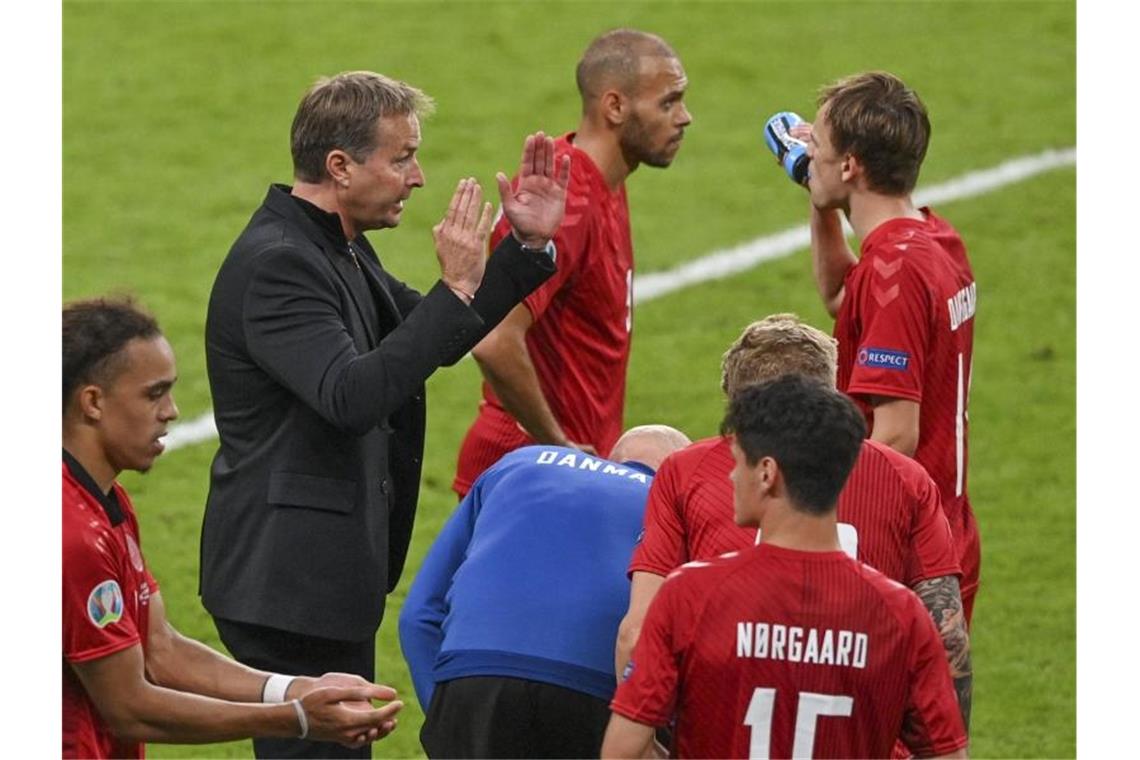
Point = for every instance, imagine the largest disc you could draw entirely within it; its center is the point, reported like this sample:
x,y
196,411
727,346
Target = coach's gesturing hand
x,y
461,238
345,714
537,202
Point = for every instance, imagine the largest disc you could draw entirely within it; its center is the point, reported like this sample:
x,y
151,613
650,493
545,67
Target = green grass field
x,y
176,118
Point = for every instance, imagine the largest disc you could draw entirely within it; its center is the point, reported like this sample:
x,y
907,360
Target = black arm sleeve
x,y
511,275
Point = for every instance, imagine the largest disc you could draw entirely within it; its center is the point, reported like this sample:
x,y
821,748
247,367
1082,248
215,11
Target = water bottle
x,y
791,153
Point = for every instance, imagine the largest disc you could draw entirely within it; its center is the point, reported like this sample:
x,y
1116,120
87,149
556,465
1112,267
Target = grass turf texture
x,y
176,118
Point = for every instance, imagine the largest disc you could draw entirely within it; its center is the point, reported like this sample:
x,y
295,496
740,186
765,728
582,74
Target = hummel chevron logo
x,y
884,297
887,270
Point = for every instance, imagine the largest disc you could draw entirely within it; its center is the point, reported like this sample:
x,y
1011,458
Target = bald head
x,y
613,61
648,444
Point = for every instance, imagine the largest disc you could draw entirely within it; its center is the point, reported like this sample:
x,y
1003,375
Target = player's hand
x,y
345,714
461,237
801,131
536,203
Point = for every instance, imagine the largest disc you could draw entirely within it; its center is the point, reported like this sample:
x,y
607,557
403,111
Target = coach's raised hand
x,y
461,238
536,203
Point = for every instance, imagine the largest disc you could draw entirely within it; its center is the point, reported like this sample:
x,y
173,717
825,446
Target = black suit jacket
x,y
320,418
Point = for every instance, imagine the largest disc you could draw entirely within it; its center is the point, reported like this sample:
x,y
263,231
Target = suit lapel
x,y
373,275
345,269
279,201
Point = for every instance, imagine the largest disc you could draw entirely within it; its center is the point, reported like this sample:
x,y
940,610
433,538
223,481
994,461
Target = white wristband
x,y
275,687
301,718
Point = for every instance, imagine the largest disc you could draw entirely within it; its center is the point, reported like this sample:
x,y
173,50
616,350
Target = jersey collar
x,y
109,501
634,465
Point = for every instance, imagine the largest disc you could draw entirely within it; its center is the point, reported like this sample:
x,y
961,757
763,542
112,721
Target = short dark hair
x,y
880,120
94,334
812,431
614,58
340,112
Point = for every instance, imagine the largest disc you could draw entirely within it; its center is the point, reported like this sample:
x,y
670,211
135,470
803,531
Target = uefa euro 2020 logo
x,y
105,604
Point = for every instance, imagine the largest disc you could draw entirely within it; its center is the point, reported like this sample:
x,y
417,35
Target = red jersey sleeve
x,y
661,549
95,623
932,723
648,691
932,551
894,307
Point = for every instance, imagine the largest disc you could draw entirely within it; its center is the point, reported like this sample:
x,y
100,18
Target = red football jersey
x,y
906,330
774,652
889,512
583,317
106,607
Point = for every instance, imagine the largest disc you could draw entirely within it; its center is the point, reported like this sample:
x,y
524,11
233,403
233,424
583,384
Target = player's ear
x,y
90,399
614,107
336,164
767,471
850,168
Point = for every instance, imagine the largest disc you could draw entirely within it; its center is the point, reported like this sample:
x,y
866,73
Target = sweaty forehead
x,y
661,71
146,361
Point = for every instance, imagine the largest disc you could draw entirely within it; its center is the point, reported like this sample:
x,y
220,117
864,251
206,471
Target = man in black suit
x,y
317,359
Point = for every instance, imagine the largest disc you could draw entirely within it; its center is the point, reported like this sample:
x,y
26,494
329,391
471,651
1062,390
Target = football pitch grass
x,y
176,119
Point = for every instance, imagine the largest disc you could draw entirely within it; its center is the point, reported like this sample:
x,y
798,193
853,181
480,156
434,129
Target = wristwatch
x,y
549,249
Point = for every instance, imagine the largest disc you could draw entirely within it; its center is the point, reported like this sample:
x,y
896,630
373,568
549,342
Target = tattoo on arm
x,y
943,599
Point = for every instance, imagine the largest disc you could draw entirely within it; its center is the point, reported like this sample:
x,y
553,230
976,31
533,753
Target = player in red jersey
x,y
555,368
889,511
128,675
905,308
791,647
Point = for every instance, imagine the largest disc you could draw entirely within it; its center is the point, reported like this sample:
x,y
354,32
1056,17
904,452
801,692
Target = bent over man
x,y
509,626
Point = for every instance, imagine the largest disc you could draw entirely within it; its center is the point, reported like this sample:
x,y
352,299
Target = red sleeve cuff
x,y
646,566
937,750
938,572
890,391
106,650
639,716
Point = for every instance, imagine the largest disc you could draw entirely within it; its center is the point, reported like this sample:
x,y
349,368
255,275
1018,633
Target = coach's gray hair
x,y
341,112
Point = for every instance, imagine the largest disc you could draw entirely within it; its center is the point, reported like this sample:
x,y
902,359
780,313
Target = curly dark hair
x,y
812,431
95,332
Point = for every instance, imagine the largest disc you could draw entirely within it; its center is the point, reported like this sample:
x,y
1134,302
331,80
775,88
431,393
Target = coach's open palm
x,y
461,237
536,203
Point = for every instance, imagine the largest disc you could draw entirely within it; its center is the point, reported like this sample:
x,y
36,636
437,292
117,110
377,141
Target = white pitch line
x,y
740,258
745,256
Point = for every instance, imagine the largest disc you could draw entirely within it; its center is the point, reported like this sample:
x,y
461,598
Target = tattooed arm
x,y
943,599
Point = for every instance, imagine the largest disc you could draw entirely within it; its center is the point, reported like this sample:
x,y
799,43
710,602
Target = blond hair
x,y
778,345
